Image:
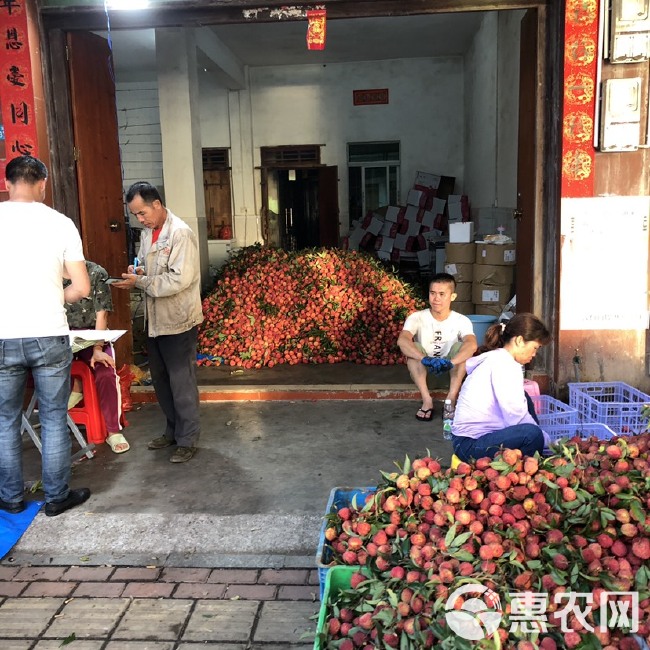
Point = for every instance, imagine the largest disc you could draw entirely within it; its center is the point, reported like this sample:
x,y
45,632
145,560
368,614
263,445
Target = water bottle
x,y
447,419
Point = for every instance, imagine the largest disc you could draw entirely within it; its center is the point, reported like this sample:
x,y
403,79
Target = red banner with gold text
x,y
580,68
316,29
16,86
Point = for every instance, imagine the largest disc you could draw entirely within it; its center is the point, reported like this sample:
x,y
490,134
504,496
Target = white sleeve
x,y
74,251
412,324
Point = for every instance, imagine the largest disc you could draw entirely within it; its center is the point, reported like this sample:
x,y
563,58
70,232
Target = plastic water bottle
x,y
447,419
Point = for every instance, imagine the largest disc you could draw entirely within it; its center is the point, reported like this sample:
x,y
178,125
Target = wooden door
x,y
526,163
99,175
218,210
328,205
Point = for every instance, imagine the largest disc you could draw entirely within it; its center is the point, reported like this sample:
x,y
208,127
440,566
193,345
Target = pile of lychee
x,y
574,522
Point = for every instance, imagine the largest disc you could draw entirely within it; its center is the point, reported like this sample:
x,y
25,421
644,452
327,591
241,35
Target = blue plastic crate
x,y
583,430
613,403
340,497
551,411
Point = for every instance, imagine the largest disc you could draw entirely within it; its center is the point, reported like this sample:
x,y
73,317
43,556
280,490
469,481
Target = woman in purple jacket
x,y
493,409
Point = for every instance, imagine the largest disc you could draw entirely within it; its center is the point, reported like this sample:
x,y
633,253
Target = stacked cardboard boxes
x,y
460,262
493,277
484,276
398,233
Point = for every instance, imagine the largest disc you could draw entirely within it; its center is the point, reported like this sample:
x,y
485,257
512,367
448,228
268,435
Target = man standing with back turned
x,y
41,248
168,273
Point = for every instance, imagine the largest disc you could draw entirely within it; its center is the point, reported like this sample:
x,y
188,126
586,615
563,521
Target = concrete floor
x,y
255,493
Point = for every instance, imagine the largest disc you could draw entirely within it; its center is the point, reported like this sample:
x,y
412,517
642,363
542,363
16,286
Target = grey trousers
x,y
172,361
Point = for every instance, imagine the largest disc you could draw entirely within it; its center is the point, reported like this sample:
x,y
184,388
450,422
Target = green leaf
x,y
463,556
69,639
637,511
451,534
534,564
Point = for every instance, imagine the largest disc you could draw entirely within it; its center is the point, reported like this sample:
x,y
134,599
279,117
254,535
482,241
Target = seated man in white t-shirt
x,y
437,333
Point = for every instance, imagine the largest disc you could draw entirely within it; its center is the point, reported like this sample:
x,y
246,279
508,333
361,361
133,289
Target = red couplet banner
x,y
16,86
580,70
316,29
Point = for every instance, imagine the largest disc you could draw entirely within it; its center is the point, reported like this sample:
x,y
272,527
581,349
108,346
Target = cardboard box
x,y
483,294
463,307
460,253
424,179
487,310
461,233
463,292
491,274
498,254
461,272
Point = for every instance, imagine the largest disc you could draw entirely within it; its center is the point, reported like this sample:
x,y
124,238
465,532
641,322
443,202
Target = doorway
x,y
301,207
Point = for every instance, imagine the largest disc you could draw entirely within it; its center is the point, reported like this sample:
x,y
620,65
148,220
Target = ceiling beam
x,y
229,65
220,12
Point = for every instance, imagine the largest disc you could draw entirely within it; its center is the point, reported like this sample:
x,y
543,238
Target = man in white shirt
x,y
437,338
41,247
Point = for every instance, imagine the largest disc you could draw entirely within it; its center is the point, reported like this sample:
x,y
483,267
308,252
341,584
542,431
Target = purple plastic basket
x,y
613,403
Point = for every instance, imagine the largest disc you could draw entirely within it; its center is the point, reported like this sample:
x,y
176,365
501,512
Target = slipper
x,y
116,439
74,399
426,416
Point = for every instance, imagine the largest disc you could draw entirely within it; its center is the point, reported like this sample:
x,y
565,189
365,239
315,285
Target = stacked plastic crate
x,y
614,404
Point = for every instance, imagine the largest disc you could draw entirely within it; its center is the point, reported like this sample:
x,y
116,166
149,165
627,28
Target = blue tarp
x,y
12,527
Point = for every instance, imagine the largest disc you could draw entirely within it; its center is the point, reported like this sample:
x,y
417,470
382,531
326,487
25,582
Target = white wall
x,y
480,115
491,118
508,106
312,104
213,106
138,120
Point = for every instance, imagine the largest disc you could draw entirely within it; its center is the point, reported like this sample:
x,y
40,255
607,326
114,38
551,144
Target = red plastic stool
x,y
87,412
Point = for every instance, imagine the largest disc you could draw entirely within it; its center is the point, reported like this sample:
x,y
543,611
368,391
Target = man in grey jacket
x,y
167,271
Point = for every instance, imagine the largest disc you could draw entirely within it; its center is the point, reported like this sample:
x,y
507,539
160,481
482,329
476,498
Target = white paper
x,y
451,269
386,228
97,335
414,228
383,255
490,295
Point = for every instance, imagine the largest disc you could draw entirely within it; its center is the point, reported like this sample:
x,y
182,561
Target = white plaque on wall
x,y
604,263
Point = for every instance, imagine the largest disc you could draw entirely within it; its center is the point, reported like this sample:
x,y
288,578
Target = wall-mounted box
x,y
629,40
620,120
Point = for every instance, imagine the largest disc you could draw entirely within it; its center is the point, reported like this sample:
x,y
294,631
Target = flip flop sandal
x,y
427,415
117,439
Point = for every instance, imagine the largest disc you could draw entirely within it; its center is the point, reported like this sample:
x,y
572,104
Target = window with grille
x,y
306,155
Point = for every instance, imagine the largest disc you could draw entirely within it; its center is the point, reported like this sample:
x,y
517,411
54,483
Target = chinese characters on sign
x,y
617,609
370,97
16,84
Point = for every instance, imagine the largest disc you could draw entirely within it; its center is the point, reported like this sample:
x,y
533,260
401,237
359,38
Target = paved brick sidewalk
x,y
156,608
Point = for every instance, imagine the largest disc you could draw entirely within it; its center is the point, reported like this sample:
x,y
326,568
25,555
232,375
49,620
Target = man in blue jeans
x,y
41,247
